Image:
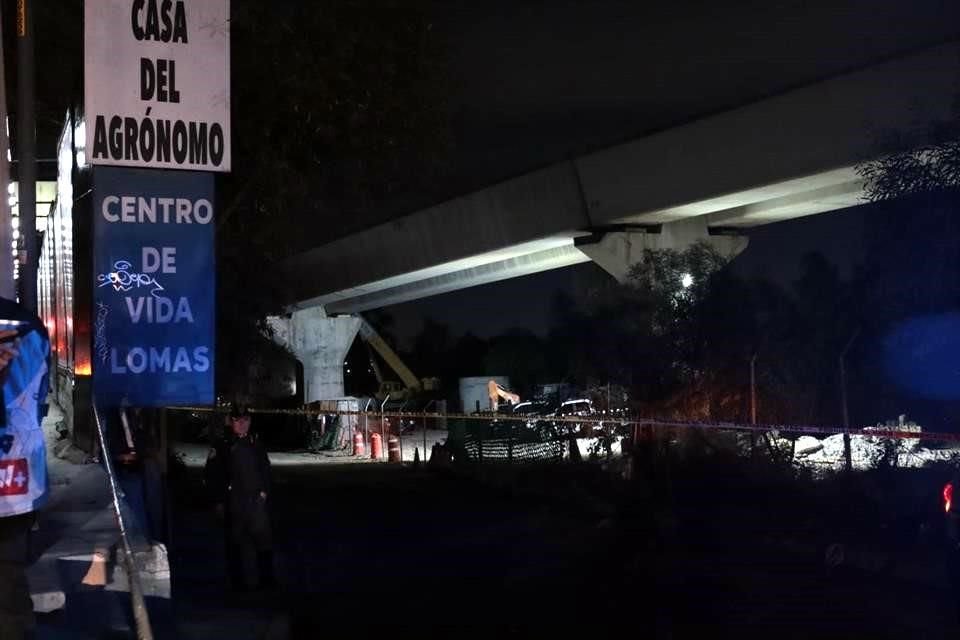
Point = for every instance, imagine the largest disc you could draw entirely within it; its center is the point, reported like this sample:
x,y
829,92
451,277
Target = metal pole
x,y
6,230
383,436
140,616
753,404
425,411
26,154
366,423
847,457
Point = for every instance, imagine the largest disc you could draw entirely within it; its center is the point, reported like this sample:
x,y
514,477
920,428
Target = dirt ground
x,y
378,548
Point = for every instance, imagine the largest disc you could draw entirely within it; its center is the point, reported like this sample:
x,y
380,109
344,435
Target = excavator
x,y
409,385
497,392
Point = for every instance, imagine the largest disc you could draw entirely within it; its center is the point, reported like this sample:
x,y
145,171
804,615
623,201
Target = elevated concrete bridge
x,y
712,179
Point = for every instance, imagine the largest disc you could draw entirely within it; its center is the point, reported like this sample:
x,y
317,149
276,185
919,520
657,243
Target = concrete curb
x,y
45,588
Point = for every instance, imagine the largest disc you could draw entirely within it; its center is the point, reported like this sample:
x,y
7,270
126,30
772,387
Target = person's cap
x,y
238,411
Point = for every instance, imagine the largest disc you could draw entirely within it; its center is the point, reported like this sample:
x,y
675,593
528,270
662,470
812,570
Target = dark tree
x,y
911,265
337,115
520,355
431,351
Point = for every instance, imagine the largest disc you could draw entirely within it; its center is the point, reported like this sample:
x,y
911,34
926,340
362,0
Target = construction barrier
x,y
505,449
610,421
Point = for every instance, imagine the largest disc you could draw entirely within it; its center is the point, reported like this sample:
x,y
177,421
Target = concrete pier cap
x,y
618,249
320,343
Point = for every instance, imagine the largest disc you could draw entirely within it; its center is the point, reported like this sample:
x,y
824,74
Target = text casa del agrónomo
x,y
126,138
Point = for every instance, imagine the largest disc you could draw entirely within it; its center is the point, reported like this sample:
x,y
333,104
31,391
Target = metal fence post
x,y
847,456
366,423
753,405
140,616
383,437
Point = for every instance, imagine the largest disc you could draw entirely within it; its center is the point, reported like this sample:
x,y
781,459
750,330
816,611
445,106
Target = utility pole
x,y
26,156
753,404
6,228
848,462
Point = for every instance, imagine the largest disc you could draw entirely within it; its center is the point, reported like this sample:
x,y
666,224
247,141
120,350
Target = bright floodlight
x,y
686,280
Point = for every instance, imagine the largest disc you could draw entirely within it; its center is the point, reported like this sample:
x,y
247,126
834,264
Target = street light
x,y
686,280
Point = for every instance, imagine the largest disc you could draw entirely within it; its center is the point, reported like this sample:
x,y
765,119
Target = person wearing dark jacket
x,y
237,475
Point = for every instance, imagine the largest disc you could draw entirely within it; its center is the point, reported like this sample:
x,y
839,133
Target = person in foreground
x,y
237,475
24,354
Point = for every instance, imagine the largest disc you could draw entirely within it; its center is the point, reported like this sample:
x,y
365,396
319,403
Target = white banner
x,y
157,83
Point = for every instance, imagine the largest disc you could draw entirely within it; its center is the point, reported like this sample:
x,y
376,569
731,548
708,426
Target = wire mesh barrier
x,y
479,449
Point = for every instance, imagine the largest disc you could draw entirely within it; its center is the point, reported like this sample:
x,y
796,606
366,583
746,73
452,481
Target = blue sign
x,y
154,287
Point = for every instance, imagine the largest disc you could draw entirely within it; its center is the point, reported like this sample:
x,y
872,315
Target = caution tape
x,y
604,420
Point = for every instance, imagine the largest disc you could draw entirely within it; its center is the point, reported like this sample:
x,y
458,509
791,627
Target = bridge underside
x,y
785,157
614,246
521,260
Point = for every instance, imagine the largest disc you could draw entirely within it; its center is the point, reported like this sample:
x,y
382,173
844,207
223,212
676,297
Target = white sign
x,y
157,83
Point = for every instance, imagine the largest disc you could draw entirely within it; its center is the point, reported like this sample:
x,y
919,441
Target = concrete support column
x,y
617,251
321,344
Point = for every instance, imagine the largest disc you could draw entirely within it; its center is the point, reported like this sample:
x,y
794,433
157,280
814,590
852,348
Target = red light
x,y
947,497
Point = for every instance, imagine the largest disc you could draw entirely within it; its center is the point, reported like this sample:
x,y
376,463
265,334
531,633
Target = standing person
x,y
24,354
238,476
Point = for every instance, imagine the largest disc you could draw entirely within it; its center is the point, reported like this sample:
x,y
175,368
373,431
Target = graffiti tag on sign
x,y
14,477
122,279
100,333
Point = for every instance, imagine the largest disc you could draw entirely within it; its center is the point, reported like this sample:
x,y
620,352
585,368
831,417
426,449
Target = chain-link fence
x,y
493,439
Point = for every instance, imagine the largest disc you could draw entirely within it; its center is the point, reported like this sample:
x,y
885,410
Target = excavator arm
x,y
496,392
372,338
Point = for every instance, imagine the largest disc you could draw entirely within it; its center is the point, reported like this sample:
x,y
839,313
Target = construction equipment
x,y
496,392
409,384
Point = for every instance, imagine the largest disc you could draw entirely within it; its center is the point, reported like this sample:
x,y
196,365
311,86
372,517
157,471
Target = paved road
x,y
367,548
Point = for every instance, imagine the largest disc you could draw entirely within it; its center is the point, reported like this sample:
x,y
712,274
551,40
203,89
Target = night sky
x,y
536,82
535,85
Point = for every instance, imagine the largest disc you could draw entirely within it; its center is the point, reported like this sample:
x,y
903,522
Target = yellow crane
x,y
409,383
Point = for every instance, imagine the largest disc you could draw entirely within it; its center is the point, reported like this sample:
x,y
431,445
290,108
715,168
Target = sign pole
x,y
26,155
6,229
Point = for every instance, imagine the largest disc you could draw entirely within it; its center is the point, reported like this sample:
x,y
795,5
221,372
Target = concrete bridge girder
x,y
616,251
790,155
320,343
